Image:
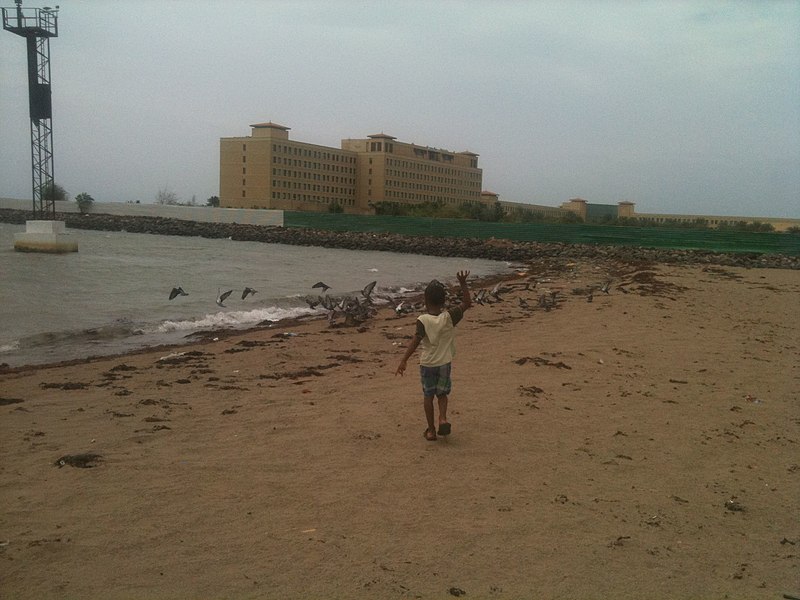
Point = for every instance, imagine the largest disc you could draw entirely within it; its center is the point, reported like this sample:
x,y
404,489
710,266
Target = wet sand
x,y
642,445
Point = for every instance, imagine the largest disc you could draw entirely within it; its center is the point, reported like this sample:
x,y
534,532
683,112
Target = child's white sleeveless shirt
x,y
438,347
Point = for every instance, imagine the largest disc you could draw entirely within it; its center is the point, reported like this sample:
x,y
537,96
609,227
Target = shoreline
x,y
207,336
492,249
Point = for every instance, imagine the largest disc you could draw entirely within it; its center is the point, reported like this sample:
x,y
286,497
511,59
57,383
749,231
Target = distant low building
x,y
540,211
268,170
627,209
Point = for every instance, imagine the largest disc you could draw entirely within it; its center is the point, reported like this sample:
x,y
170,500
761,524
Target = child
x,y
436,336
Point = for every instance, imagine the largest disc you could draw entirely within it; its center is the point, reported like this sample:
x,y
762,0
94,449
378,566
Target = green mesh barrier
x,y
649,237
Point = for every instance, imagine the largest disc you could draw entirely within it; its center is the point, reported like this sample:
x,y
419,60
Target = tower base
x,y
45,236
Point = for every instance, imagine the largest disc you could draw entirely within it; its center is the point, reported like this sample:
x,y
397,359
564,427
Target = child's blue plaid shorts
x,y
435,380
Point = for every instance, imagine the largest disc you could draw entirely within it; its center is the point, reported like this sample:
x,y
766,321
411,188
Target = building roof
x,y
381,135
270,125
468,153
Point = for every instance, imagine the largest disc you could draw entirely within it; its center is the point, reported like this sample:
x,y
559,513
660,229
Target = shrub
x,y
84,201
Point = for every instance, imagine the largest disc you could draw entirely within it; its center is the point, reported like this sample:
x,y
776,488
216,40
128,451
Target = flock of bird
x,y
221,296
359,307
352,308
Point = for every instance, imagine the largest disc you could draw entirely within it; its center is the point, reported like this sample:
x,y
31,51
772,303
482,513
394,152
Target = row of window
x,y
312,187
428,168
446,180
293,162
433,155
321,154
314,176
381,147
312,198
453,190
425,197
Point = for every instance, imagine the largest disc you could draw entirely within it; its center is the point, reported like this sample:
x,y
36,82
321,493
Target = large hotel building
x,y
268,170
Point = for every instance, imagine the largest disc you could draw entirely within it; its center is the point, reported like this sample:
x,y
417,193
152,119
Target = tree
x,y
213,201
53,191
166,196
335,207
84,201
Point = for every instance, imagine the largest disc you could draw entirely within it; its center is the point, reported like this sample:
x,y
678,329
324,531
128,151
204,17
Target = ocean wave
x,y
53,338
232,319
10,347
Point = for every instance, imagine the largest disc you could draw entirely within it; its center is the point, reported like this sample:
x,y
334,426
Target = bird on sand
x,y
313,302
222,297
605,287
248,290
325,287
496,291
177,291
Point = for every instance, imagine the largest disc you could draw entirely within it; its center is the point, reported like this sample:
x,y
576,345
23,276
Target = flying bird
x,y
222,297
325,287
177,291
248,290
605,287
368,289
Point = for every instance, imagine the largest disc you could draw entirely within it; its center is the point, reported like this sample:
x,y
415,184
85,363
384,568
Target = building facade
x,y
268,170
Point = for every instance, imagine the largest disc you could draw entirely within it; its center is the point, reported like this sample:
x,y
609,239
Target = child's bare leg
x,y
444,425
442,398
428,402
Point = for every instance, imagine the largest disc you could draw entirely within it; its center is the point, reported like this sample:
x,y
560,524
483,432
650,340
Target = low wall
x,y
203,214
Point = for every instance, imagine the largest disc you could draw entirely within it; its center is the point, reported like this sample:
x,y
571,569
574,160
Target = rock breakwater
x,y
491,249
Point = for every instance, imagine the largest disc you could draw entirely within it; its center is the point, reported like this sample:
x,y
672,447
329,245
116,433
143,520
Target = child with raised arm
x,y
435,336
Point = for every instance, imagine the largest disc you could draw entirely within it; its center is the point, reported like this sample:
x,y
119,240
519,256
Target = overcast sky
x,y
681,107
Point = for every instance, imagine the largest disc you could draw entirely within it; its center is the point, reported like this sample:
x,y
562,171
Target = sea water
x,y
112,296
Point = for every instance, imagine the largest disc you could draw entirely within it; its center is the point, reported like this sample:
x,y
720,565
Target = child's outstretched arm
x,y
409,351
466,298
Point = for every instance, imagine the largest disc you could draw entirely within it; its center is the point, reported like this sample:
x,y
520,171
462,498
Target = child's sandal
x,y
430,435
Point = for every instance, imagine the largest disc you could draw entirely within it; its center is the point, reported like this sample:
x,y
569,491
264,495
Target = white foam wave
x,y
233,319
9,347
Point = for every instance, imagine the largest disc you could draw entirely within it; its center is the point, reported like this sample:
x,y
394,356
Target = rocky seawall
x,y
492,249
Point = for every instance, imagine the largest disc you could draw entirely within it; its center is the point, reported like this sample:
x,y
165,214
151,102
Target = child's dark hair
x,y
434,294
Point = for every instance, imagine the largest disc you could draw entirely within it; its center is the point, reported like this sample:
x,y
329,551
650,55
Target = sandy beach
x,y
641,445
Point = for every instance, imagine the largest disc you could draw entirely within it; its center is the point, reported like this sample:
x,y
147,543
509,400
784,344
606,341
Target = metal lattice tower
x,y
37,26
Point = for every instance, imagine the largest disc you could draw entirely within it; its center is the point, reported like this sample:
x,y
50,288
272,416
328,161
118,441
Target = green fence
x,y
649,237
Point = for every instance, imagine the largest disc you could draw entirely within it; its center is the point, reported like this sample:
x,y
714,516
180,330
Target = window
x,y
244,147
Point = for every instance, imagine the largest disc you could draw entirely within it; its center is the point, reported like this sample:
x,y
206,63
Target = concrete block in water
x,y
45,236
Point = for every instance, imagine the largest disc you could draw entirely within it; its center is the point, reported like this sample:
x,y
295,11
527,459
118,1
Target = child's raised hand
x,y
462,276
